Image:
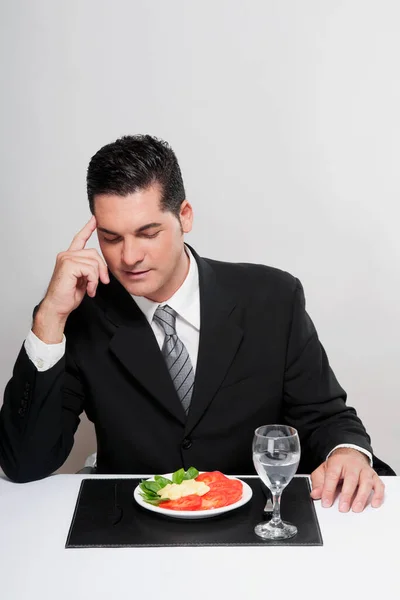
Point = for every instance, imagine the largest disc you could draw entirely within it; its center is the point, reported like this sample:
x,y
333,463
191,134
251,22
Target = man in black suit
x,y
176,359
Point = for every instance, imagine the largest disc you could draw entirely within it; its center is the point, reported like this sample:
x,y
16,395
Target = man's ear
x,y
186,216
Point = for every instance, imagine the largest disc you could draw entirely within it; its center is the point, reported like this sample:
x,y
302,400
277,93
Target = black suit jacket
x,y
259,361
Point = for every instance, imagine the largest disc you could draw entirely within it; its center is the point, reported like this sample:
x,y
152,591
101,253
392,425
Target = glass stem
x,y
276,512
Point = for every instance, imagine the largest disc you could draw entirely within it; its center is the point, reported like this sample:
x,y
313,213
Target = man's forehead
x,y
129,219
136,230
135,206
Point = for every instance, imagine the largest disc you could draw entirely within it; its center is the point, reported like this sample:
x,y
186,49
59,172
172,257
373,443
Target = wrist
x,y
351,452
48,325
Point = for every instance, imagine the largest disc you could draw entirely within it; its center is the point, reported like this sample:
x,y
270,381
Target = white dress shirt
x,y
185,302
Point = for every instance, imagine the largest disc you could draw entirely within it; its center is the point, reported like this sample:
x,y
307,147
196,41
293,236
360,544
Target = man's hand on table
x,y
350,468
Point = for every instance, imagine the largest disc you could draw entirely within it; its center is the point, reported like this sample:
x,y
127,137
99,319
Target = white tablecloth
x,y
359,559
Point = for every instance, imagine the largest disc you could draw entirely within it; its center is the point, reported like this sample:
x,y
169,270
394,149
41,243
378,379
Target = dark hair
x,y
133,163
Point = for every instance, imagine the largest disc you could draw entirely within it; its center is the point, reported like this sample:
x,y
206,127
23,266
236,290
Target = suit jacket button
x,y
186,444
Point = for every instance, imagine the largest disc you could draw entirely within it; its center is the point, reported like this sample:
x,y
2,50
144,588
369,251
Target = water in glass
x,y
276,456
276,469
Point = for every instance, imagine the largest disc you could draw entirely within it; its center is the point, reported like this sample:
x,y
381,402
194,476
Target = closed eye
x,y
111,240
117,239
149,235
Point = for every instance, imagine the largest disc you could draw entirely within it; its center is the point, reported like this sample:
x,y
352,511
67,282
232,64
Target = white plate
x,y
194,514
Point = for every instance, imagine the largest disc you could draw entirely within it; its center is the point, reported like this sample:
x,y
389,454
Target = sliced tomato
x,y
233,484
214,499
233,489
211,476
234,496
192,502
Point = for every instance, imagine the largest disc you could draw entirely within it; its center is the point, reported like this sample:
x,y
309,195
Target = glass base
x,y
281,531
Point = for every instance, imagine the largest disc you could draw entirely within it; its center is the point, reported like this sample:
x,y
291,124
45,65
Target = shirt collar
x,y
185,302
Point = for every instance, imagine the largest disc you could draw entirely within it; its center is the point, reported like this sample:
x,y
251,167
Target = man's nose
x,y
131,254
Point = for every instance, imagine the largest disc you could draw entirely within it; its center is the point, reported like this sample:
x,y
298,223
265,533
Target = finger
x,y
89,270
379,491
81,238
350,482
86,286
73,262
92,277
364,490
92,253
103,269
332,477
317,482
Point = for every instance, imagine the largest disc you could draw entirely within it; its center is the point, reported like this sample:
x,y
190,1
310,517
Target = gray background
x,y
285,118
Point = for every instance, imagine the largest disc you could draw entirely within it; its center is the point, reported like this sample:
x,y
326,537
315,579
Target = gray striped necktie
x,y
176,355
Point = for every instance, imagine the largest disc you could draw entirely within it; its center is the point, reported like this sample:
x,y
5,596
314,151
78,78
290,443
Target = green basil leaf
x,y
150,497
191,473
163,481
151,500
178,476
151,486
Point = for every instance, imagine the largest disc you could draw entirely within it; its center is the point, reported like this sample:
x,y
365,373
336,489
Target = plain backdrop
x,y
285,118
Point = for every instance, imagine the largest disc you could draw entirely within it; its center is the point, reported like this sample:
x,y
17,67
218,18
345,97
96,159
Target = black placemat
x,y
93,521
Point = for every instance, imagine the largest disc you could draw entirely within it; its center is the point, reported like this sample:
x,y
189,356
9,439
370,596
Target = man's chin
x,y
137,286
136,289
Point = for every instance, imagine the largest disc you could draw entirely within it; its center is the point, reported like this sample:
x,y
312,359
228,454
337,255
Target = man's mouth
x,y
134,274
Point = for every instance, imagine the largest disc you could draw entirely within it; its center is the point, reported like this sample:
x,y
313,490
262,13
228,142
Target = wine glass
x,y
276,456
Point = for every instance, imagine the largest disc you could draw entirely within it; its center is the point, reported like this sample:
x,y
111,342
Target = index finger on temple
x,y
81,238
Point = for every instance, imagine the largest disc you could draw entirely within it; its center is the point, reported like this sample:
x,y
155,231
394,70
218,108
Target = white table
x,y
359,559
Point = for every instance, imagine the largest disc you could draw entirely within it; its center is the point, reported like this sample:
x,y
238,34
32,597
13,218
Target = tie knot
x,y
165,317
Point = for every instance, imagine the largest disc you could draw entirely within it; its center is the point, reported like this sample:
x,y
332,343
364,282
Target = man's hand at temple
x,y
350,469
77,272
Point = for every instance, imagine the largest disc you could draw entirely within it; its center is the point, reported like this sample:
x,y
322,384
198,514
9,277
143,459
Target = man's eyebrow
x,y
139,230
104,230
148,226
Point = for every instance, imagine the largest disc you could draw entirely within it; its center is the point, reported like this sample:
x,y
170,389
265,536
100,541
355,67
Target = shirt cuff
x,y
44,356
354,448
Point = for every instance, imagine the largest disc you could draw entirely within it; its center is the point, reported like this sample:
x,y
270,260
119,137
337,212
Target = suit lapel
x,y
220,337
135,346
